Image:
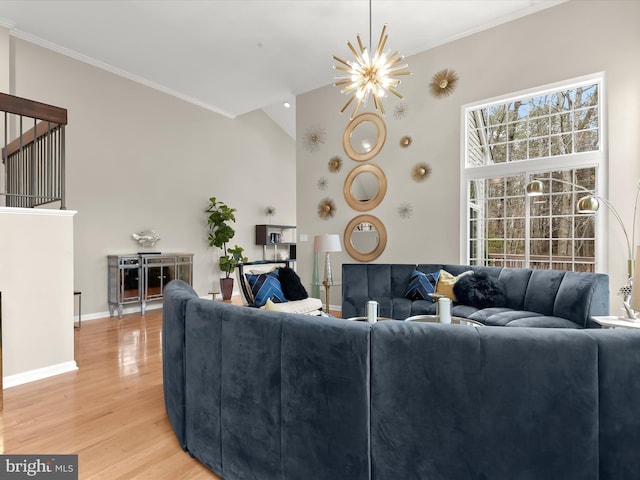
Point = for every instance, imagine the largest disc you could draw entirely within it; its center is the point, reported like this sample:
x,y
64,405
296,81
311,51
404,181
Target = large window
x,y
553,136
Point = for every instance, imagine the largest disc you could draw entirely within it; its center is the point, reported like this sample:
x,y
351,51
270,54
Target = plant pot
x,y
226,287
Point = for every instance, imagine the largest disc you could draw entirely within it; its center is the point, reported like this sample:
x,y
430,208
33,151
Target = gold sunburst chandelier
x,y
369,75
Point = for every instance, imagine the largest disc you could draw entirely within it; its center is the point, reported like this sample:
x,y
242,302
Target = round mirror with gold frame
x,y
364,136
365,238
365,187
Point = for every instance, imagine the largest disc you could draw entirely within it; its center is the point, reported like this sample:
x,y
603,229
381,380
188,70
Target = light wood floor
x,y
110,412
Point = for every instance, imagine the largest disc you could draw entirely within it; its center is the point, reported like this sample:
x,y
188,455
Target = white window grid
x,y
478,164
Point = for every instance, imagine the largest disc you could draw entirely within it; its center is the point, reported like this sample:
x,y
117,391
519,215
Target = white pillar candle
x,y
372,311
444,310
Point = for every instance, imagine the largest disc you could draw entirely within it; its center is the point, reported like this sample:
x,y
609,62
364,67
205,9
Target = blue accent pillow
x,y
265,286
421,285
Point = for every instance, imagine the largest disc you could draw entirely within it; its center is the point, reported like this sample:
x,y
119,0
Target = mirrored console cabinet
x,y
141,277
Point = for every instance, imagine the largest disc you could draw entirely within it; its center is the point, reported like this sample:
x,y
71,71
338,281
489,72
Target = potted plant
x,y
220,232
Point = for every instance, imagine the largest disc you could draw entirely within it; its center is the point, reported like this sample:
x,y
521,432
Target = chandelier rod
x,y
369,27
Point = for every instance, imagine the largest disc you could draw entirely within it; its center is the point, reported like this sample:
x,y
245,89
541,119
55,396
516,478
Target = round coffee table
x,y
435,319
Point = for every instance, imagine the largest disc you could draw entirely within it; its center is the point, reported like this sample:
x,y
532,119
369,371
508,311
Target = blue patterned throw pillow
x,y
265,286
421,285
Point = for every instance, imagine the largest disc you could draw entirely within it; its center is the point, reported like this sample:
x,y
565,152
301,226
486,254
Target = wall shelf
x,y
282,238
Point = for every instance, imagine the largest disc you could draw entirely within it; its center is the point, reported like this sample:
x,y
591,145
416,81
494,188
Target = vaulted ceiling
x,y
236,56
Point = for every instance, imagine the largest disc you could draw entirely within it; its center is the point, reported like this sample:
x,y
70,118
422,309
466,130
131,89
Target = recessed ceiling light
x,y
286,105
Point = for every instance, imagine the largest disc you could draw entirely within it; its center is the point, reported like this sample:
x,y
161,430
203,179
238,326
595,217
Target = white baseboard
x,y
131,309
38,374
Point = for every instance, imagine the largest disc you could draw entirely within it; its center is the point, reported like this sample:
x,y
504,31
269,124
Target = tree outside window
x,y
553,137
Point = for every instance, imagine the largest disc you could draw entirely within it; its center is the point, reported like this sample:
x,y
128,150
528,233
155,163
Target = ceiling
x,y
233,57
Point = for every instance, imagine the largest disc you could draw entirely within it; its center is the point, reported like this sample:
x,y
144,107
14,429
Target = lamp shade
x,y
327,243
535,188
635,293
588,204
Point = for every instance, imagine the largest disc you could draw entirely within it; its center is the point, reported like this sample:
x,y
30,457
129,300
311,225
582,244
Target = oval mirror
x,y
364,136
365,238
365,187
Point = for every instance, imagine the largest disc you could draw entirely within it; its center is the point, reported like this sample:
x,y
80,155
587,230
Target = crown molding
x,y
7,23
115,70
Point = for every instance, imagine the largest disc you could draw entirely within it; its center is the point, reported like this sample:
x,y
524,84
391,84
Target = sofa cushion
x,y
619,422
177,294
542,290
421,285
516,281
265,286
544,321
446,281
479,290
574,289
536,383
418,424
463,311
498,395
419,307
202,379
482,315
517,318
497,316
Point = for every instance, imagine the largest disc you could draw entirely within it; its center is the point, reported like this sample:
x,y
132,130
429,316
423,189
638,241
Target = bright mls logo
x,y
51,467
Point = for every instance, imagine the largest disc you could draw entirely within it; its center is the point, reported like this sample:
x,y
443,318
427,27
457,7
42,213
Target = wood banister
x,y
33,109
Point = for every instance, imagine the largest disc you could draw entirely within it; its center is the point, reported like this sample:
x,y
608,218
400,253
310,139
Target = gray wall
x,y
139,159
564,42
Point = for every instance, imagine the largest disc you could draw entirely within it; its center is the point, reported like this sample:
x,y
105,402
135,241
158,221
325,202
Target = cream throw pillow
x,y
308,306
446,281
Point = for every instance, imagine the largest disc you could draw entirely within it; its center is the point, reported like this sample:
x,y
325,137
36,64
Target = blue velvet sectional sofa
x,y
533,298
267,395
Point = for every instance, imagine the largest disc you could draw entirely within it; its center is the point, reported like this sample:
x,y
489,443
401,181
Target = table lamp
x,y
327,243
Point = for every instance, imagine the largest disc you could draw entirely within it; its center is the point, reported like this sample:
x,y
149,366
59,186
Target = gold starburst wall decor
x,y
335,164
326,209
370,74
406,141
443,83
420,172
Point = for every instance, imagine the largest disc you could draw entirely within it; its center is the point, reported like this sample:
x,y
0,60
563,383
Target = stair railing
x,y
34,161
